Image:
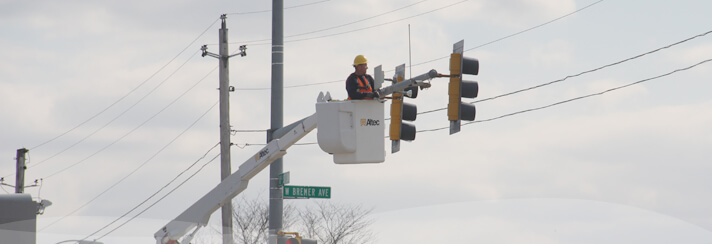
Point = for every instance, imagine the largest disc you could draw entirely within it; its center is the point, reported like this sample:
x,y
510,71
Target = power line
x,y
381,24
156,193
517,33
430,61
120,114
357,21
260,42
171,103
121,99
264,41
265,130
578,98
269,10
587,71
160,199
293,86
135,128
136,169
130,92
599,68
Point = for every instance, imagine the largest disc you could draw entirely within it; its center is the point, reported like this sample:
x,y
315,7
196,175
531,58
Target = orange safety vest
x,y
363,87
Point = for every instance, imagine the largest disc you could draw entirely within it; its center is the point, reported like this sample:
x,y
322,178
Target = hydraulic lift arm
x,y
198,214
412,82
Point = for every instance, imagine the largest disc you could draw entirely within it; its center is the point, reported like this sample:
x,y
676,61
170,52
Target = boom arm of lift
x,y
198,214
412,82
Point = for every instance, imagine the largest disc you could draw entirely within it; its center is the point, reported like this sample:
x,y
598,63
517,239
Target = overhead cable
x,y
577,98
135,128
130,92
117,116
583,72
265,41
429,61
516,33
269,10
154,194
261,41
160,199
136,169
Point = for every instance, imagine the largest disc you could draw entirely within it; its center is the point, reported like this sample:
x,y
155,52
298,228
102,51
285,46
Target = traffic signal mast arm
x,y
198,214
412,82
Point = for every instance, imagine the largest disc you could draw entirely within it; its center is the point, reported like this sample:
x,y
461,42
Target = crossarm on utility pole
x,y
198,214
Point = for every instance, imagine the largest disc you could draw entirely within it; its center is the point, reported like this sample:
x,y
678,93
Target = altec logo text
x,y
370,122
261,154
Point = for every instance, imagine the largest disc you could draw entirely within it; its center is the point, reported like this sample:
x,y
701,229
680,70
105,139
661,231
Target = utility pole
x,y
20,171
277,118
225,89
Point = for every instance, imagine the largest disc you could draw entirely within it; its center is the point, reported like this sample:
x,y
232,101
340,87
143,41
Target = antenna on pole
x,y
410,59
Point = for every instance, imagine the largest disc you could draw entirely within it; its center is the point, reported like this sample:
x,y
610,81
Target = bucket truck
x,y
347,129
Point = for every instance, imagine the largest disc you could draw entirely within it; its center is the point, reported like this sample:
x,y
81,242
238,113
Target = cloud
x,y
522,13
538,220
694,53
553,54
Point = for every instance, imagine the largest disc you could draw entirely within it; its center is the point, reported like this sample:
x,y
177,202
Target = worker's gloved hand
x,y
374,94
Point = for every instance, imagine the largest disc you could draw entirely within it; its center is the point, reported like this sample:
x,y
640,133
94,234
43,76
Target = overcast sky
x,y
113,100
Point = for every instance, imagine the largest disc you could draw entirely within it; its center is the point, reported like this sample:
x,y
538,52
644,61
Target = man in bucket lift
x,y
359,85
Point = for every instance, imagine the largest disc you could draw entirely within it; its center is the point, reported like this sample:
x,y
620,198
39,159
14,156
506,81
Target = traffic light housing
x,y
400,111
459,88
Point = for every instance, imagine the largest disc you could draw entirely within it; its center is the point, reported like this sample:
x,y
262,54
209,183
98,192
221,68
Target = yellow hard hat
x,y
360,59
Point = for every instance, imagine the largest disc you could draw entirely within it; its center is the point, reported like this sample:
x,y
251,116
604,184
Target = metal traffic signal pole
x,y
277,117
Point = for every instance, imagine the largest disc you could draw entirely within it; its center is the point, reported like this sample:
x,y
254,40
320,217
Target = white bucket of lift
x,y
352,130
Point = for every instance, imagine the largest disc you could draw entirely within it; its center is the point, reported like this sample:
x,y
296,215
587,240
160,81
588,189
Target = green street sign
x,y
306,192
283,178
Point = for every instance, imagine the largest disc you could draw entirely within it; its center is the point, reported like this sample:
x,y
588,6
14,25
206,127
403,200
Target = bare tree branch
x,y
328,222
337,224
251,220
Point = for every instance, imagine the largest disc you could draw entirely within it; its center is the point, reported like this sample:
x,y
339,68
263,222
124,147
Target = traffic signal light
x,y
459,88
400,111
